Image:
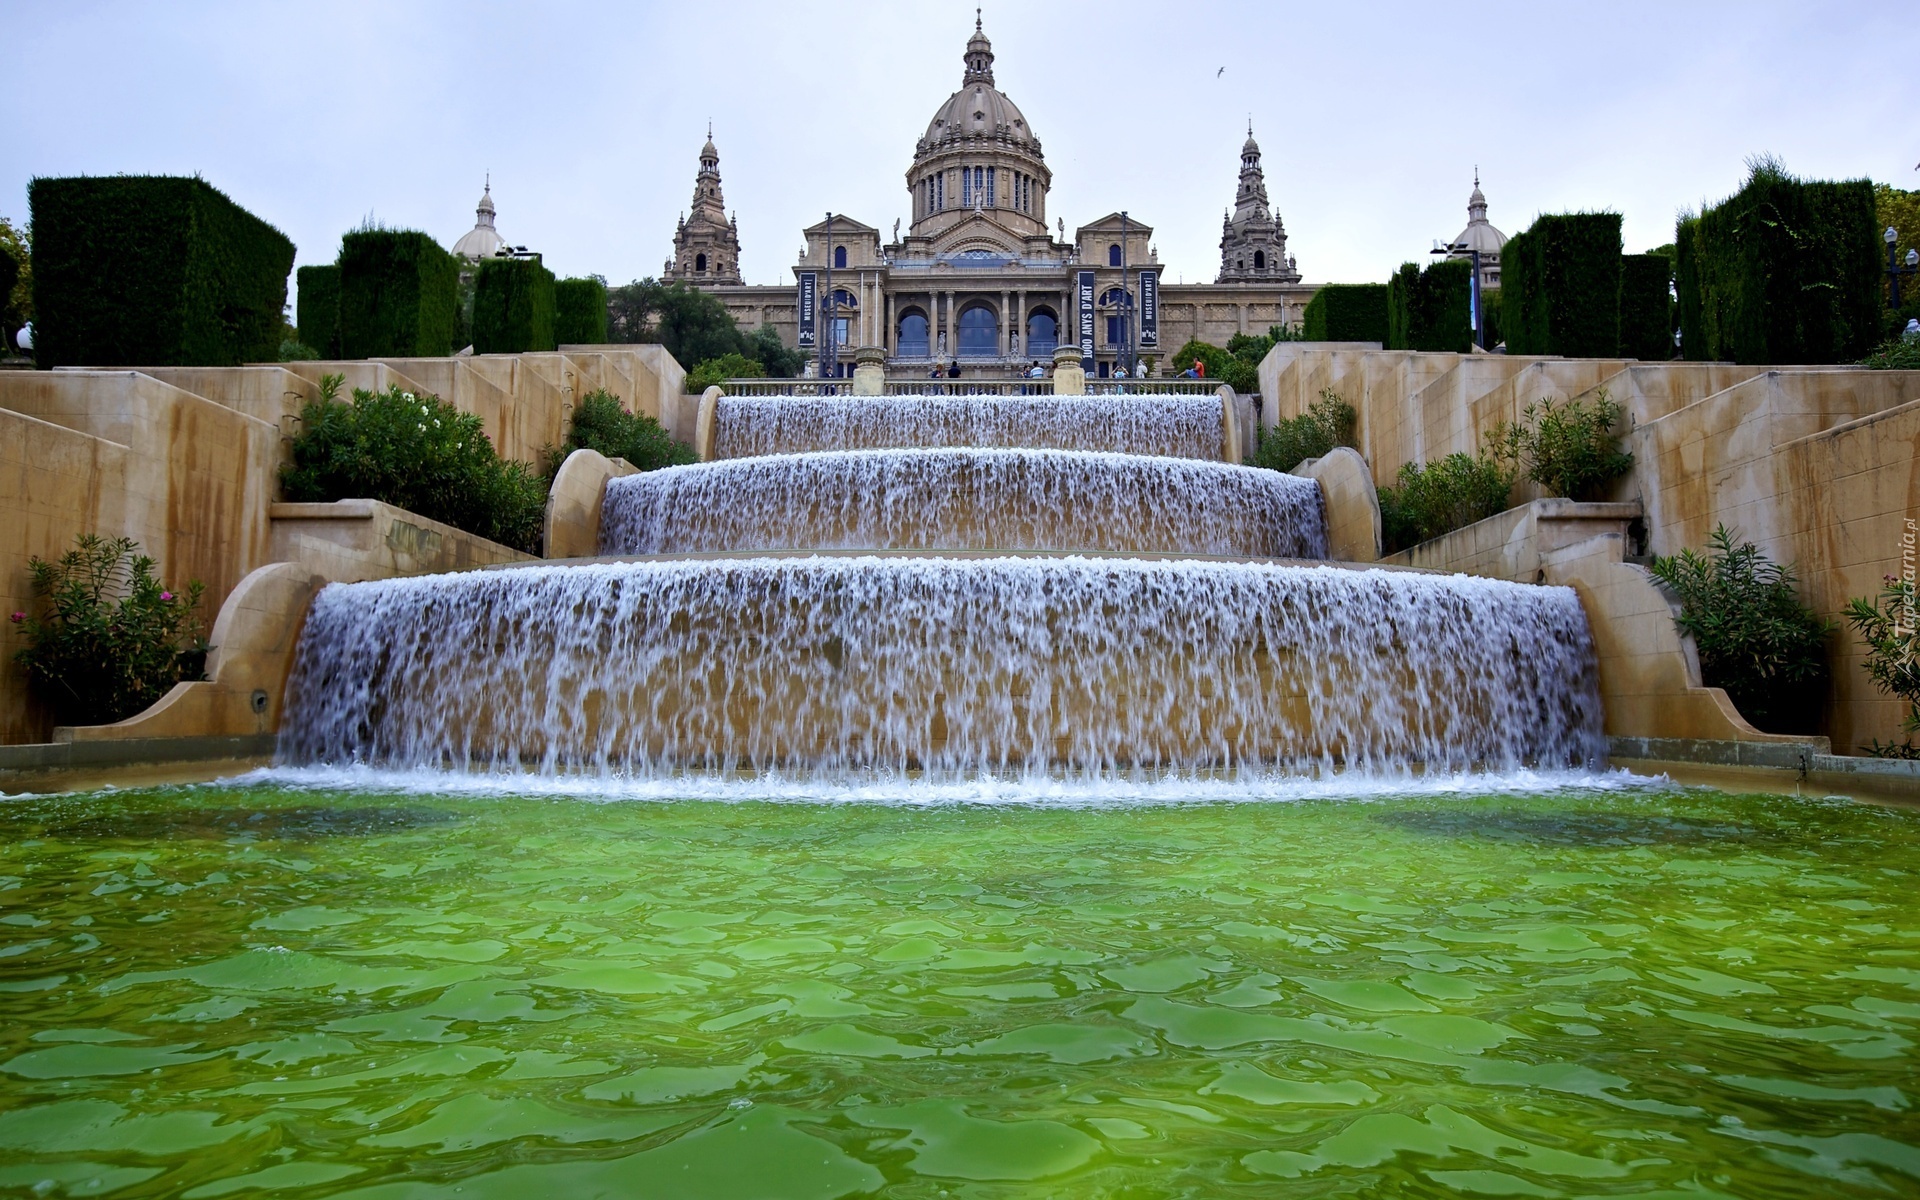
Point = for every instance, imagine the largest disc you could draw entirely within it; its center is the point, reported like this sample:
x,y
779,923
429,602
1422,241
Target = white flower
x,y
407,396
422,428
436,422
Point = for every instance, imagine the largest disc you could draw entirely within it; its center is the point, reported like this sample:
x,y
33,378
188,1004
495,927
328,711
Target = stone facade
x,y
979,276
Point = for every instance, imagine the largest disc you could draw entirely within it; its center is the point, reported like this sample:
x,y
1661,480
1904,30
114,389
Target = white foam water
x,y
1174,426
965,499
1003,668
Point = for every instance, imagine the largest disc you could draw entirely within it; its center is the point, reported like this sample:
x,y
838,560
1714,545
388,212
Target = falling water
x,y
1006,666
1174,426
965,500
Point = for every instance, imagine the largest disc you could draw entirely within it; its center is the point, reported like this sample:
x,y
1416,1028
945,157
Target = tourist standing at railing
x,y
953,369
1035,372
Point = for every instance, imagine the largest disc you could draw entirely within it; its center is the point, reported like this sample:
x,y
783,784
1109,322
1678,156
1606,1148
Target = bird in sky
x,y
1223,71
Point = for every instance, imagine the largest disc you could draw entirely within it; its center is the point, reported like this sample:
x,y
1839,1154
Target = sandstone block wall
x,y
1819,466
185,460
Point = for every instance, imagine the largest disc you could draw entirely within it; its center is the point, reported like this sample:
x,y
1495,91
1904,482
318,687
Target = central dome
x,y
978,109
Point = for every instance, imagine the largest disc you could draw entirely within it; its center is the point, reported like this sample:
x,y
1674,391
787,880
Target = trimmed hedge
x,y
318,313
512,306
1560,286
1431,309
1646,307
1784,271
1347,312
138,270
397,295
580,312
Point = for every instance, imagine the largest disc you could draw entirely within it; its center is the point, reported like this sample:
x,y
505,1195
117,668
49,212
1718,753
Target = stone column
x,y
1020,325
1068,377
870,371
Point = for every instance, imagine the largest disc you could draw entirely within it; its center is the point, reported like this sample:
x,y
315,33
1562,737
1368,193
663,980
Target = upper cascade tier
x,y
1171,426
825,666
965,499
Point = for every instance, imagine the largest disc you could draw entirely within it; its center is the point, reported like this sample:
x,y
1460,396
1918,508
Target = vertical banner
x,y
1085,303
1149,310
809,307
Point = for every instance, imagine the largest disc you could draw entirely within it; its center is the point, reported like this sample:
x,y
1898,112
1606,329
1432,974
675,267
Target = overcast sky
x,y
590,116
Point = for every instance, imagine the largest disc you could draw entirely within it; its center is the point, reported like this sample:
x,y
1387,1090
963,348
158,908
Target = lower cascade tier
x,y
1175,426
965,499
1003,665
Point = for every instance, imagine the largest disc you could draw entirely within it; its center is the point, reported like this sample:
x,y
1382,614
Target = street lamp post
x,y
1473,289
830,309
1894,269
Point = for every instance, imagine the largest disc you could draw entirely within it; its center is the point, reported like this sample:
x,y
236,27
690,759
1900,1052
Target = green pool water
x,y
259,989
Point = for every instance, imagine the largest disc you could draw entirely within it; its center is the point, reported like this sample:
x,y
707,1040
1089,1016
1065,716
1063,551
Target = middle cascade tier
x,y
965,499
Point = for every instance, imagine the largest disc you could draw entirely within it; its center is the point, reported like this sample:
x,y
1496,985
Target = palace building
x,y
984,274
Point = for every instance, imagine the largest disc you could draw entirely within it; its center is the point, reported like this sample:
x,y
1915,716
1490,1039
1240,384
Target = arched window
x,y
979,333
845,299
912,341
1113,256
699,262
839,258
1259,260
1112,296
1043,333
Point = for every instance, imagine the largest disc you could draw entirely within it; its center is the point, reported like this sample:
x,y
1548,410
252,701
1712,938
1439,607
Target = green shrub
x,y
1328,422
415,452
1222,367
601,423
318,314
1431,309
580,312
1784,271
1560,286
1890,630
1428,500
149,270
719,370
512,306
1250,348
397,295
294,350
1900,354
1490,316
112,639
1754,637
1346,312
1646,307
1567,447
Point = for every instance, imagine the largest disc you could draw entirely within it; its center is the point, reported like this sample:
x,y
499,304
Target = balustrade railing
x,y
970,387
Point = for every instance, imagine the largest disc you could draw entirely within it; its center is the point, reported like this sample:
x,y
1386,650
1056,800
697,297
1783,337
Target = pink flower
x,y
166,595
18,617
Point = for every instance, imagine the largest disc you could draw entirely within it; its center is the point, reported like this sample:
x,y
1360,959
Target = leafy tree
x,y
601,423
415,452
1755,638
1328,422
775,359
1222,366
16,297
1896,354
112,639
727,366
1890,628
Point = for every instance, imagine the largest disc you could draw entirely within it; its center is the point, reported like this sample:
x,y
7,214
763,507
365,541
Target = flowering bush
x,y
111,639
419,453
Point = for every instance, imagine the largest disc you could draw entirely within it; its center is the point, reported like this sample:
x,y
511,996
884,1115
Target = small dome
x,y
482,241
